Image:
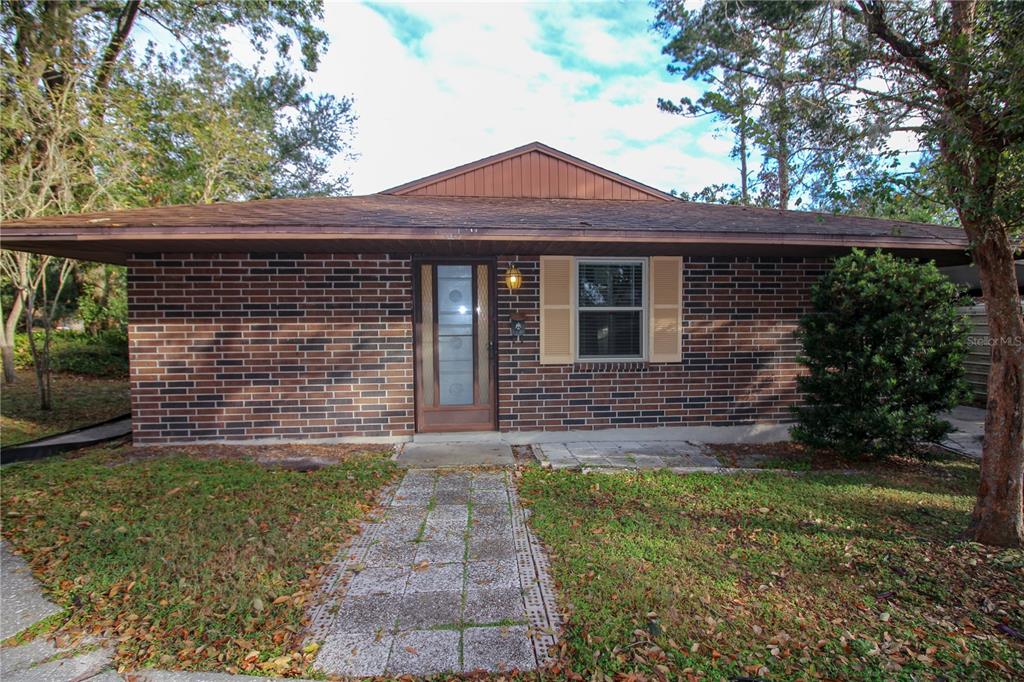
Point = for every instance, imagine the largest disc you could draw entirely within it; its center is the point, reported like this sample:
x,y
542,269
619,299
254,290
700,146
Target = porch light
x,y
513,278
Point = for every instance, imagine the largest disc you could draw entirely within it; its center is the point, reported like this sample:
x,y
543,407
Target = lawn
x,y
187,562
772,576
77,401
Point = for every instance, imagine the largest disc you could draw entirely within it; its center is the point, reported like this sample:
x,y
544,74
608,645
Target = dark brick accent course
x,y
239,346
738,364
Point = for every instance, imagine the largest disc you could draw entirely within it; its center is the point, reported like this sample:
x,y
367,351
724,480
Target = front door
x,y
454,337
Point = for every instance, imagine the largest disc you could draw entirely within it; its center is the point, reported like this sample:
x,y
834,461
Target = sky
x,y
438,85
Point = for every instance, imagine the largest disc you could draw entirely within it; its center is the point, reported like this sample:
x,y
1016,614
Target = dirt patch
x,y
524,455
294,457
797,457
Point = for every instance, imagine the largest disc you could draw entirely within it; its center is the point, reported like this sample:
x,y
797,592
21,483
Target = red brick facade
x,y
739,315
291,346
237,346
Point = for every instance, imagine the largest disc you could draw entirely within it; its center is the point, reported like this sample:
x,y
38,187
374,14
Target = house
x,y
526,291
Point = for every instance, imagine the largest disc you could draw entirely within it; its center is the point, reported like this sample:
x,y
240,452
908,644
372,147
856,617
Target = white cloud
x,y
480,81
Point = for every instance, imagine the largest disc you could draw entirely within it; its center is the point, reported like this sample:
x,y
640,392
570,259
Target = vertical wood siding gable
x,y
532,175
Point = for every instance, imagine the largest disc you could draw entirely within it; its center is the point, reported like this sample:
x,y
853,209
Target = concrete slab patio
x,y
624,455
448,578
432,454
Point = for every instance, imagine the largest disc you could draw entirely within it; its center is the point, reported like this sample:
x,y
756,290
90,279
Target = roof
x,y
533,171
471,226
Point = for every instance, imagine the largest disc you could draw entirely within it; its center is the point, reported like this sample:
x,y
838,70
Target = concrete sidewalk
x,y
969,423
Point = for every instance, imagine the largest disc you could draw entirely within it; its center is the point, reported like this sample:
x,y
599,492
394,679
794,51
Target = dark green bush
x,y
104,354
884,350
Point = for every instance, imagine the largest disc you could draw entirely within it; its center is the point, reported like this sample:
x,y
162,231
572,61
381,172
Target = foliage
x,y
104,354
948,75
81,401
223,132
103,301
777,577
90,122
884,349
758,88
42,303
721,193
187,563
884,191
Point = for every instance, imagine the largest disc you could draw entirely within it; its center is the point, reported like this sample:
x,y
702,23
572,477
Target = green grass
x,y
188,563
778,577
77,401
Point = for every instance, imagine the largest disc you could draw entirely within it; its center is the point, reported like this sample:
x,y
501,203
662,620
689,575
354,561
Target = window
x,y
610,309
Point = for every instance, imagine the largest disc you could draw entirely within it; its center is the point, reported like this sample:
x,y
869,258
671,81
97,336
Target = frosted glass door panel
x,y
455,334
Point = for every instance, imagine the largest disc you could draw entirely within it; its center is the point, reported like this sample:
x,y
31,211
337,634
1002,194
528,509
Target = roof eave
x,y
115,245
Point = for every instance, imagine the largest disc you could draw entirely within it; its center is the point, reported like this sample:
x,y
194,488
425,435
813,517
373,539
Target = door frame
x,y
417,312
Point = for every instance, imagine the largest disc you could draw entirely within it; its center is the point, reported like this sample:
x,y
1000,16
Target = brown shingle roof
x,y
405,223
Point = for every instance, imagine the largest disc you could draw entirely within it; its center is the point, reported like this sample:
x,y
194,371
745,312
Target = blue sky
x,y
437,85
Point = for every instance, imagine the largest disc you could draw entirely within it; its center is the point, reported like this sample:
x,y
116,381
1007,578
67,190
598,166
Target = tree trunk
x,y
10,328
7,351
744,189
783,175
998,517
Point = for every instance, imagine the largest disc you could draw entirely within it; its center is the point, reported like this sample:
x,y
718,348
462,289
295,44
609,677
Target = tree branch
x,y
125,21
872,15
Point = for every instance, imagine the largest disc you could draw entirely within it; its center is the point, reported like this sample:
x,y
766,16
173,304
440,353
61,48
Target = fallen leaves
x,y
172,580
859,588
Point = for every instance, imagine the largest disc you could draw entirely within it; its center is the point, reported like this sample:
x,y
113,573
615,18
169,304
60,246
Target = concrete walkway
x,y
22,603
969,423
447,579
71,440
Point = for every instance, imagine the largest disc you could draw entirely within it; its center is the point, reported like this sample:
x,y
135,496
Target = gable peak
x,y
533,170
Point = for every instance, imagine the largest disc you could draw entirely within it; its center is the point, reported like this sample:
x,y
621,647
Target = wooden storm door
x,y
454,337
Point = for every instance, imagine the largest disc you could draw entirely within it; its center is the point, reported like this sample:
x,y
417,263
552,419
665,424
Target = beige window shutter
x,y
666,290
556,318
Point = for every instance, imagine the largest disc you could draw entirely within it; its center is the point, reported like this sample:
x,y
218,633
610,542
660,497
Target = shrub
x,y
100,355
884,350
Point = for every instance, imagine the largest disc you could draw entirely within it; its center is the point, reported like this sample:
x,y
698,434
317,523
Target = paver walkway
x,y
624,455
447,579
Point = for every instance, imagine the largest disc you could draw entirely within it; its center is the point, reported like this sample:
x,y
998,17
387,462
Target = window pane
x,y
608,285
610,334
455,334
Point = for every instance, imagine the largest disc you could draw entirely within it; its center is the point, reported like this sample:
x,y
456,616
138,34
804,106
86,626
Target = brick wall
x,y
739,315
237,346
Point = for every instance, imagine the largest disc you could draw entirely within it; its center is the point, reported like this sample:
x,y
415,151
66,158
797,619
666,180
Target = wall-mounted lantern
x,y
513,278
518,326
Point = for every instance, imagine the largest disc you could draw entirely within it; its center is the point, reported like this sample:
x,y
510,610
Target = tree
x,y
31,276
950,74
884,349
732,102
757,86
887,190
226,133
80,131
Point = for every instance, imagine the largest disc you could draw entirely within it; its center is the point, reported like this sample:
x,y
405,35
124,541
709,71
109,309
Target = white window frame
x,y
644,309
